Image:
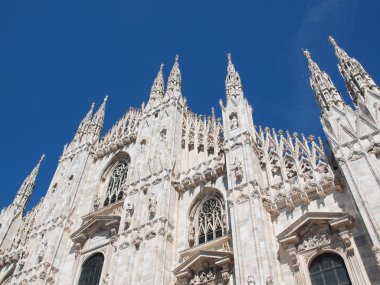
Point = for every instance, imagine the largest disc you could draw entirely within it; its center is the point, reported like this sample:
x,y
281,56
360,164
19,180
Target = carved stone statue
x,y
192,235
152,205
238,169
42,252
234,122
96,203
129,210
163,136
129,213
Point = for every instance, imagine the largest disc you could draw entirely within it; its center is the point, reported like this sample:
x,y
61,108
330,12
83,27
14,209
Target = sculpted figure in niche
x,y
163,135
234,122
152,205
128,213
142,146
42,252
238,169
129,210
96,203
191,235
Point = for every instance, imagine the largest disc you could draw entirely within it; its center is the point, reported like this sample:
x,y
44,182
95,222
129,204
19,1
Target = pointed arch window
x,y
92,270
115,189
209,222
329,269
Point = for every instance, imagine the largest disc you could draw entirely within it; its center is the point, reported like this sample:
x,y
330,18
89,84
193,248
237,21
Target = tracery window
x,y
115,190
329,269
92,270
210,222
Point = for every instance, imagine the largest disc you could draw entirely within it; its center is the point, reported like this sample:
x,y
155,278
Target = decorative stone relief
x,y
317,239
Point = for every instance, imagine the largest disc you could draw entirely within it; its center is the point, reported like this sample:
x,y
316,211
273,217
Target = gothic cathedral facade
x,y
169,197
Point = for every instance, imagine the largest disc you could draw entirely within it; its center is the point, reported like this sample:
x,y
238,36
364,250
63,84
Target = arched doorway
x,y
92,270
329,269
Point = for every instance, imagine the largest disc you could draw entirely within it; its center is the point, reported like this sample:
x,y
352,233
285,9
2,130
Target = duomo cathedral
x,y
170,197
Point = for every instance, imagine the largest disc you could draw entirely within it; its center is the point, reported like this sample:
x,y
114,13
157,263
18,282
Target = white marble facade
x,y
167,196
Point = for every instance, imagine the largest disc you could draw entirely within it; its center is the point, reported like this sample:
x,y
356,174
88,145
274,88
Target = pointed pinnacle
x,y
176,57
105,98
229,57
92,106
161,66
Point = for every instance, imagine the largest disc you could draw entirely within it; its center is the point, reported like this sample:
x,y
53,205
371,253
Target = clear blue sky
x,y
56,57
